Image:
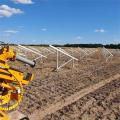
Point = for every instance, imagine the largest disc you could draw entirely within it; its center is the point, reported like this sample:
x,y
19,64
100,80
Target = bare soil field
x,y
89,91
103,104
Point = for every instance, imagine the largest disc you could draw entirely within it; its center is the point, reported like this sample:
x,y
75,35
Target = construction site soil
x,y
89,91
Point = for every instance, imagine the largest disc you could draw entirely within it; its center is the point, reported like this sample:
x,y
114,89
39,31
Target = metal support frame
x,y
59,50
84,51
89,52
33,50
79,52
106,53
48,51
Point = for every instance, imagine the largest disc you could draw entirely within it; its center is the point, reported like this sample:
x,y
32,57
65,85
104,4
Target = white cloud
x,y
33,41
100,30
116,41
78,38
11,31
6,11
23,1
44,29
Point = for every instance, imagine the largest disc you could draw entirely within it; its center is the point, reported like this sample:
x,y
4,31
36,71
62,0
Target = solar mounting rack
x,y
106,53
82,52
65,53
46,51
33,50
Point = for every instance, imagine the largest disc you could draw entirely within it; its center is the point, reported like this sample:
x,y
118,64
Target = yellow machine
x,y
11,81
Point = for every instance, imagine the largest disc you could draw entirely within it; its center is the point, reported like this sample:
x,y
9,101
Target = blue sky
x,y
60,21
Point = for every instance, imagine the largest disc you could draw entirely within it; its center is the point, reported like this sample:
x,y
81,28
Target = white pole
x,y
57,59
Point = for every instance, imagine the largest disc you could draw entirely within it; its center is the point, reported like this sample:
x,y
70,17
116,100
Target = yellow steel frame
x,y
11,81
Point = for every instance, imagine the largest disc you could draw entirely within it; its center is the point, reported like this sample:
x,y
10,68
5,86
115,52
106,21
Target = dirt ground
x,y
51,88
103,104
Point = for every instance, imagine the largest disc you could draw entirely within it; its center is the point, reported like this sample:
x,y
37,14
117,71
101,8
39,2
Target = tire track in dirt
x,y
69,100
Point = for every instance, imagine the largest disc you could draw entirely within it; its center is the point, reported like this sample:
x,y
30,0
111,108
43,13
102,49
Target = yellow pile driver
x,y
11,81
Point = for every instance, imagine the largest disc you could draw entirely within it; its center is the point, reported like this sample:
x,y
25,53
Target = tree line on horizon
x,y
111,46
